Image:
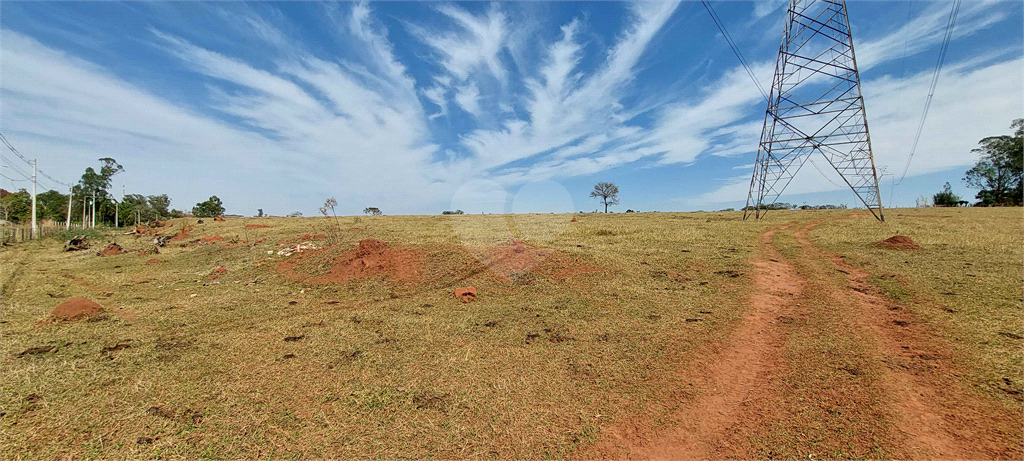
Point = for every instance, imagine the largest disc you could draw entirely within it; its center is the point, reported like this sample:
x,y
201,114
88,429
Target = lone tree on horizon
x,y
607,192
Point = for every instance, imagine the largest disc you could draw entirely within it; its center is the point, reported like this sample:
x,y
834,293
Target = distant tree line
x,y
792,206
95,186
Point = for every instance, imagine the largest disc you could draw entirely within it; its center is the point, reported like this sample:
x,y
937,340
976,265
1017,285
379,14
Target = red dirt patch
x,y
76,309
466,294
218,219
260,240
319,236
211,239
152,261
900,242
371,258
256,226
573,220
111,250
220,270
183,234
517,259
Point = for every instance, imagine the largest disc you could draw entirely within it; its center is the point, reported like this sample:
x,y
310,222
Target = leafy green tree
x,y
132,206
93,183
16,206
372,210
52,205
208,209
946,197
159,204
177,214
999,173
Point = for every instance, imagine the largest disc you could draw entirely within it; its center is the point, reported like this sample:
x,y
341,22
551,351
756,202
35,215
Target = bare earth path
x,y
913,406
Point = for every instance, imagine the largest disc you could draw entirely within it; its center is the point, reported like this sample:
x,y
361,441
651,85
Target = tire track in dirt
x,y
937,415
727,383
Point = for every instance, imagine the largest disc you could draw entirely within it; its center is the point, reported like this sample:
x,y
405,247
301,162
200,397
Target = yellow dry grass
x,y
966,280
535,366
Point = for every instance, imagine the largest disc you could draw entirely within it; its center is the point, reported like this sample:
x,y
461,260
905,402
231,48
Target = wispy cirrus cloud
x,y
370,121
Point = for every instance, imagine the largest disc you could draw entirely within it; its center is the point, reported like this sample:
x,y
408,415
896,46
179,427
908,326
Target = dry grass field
x,y
606,337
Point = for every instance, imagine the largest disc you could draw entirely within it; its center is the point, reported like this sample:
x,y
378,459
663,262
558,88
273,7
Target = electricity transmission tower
x,y
815,106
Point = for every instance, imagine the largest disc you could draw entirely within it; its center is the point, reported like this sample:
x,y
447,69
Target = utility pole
x,y
83,211
71,192
93,224
35,230
115,214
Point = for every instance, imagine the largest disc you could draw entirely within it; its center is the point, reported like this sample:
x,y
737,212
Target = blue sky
x,y
489,107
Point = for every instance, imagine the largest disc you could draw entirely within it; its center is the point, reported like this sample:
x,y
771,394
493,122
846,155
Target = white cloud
x,y
286,147
566,108
926,30
304,127
971,103
477,43
468,98
436,95
763,8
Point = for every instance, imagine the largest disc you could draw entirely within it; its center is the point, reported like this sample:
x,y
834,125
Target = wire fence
x,y
17,233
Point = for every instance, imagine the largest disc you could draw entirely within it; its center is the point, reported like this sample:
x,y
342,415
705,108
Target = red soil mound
x,y
218,219
573,220
183,234
152,261
76,309
514,260
467,294
220,270
111,250
211,239
900,242
371,258
256,226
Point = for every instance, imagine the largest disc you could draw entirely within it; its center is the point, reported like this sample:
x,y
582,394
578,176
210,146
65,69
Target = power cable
x,y
811,160
27,161
735,49
14,166
14,180
950,23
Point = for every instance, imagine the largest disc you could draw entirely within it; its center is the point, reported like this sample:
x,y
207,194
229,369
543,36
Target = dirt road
x,y
823,365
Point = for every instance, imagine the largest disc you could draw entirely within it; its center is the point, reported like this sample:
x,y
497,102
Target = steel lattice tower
x,y
815,105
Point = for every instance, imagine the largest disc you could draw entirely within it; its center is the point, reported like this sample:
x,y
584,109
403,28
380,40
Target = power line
x,y
14,166
735,49
9,146
822,172
27,161
14,180
950,23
